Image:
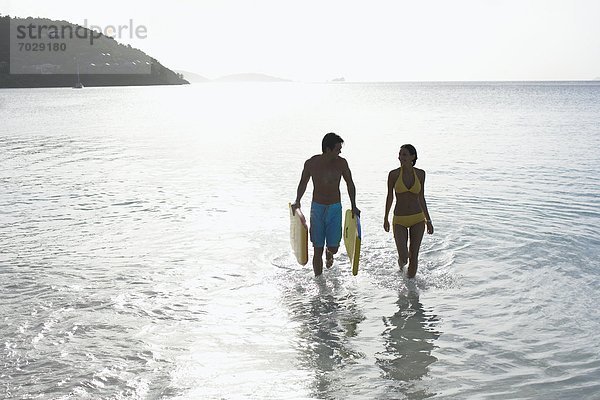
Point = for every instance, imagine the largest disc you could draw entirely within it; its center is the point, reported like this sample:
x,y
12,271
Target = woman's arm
x,y
423,204
388,201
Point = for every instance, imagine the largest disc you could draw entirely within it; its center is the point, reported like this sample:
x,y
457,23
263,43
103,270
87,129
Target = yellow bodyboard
x,y
299,235
352,238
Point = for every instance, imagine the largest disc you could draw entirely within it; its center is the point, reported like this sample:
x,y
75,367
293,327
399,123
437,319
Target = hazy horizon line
x,y
279,79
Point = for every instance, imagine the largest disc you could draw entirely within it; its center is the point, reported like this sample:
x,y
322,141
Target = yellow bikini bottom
x,y
408,220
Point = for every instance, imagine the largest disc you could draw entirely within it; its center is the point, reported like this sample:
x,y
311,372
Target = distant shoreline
x,y
251,82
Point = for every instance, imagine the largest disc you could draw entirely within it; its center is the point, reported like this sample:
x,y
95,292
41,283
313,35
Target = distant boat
x,y
78,85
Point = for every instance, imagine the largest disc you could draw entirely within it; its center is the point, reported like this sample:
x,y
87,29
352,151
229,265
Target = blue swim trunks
x,y
325,224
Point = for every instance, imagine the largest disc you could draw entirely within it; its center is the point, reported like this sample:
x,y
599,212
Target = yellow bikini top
x,y
400,187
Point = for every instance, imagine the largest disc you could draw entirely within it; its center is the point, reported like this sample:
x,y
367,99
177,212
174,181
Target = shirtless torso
x,y
326,171
326,176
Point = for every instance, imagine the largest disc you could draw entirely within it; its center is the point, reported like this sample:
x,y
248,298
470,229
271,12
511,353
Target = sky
x,y
376,40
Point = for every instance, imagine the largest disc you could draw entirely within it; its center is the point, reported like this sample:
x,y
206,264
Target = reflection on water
x,y
409,340
339,339
328,317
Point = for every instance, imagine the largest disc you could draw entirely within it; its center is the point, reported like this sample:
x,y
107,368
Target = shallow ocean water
x,y
145,253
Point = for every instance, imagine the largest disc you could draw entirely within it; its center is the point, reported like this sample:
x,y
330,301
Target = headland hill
x,y
105,62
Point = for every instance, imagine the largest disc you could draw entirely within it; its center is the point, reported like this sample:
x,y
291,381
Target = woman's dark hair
x,y
411,150
330,140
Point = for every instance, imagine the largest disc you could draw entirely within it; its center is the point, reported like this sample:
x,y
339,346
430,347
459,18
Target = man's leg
x,y
317,235
329,256
318,261
333,232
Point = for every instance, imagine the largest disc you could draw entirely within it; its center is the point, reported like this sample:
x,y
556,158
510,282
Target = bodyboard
x,y
352,238
299,235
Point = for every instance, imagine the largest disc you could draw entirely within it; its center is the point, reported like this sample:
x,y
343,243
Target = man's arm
x,y
304,178
351,188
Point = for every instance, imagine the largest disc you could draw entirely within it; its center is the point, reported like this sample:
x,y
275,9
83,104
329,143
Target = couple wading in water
x,y
410,220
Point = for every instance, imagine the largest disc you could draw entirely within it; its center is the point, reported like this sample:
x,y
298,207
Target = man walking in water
x,y
326,171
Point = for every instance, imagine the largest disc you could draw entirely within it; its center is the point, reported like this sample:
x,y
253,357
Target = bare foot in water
x,y
401,264
328,258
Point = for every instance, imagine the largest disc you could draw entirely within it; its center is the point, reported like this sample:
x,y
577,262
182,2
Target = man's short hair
x,y
330,140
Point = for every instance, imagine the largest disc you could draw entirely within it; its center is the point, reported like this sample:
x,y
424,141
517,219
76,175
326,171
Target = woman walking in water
x,y
410,213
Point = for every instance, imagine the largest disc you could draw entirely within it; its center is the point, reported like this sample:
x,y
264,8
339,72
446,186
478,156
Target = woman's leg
x,y
401,238
416,236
